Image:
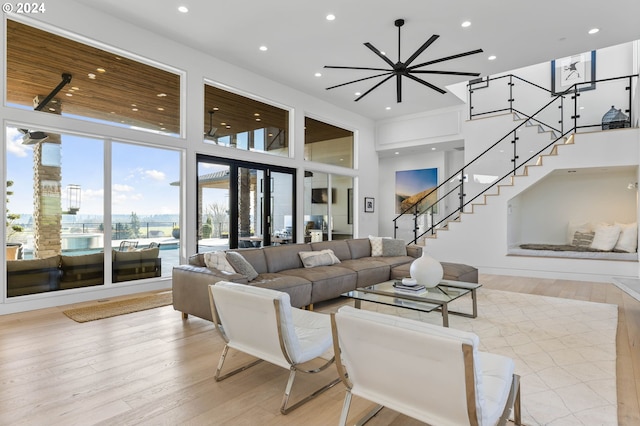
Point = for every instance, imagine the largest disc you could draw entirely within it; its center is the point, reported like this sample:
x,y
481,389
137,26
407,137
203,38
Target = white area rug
x,y
564,351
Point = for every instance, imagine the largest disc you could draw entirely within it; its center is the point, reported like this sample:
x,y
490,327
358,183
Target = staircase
x,y
470,222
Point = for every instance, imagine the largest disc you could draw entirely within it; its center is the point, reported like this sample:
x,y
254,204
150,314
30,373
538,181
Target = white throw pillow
x,y
628,239
606,237
218,260
376,246
311,259
573,227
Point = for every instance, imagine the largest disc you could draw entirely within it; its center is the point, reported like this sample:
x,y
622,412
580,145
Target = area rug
x,y
564,350
100,310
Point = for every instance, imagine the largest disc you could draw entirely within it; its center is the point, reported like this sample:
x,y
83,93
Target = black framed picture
x,y
577,69
369,204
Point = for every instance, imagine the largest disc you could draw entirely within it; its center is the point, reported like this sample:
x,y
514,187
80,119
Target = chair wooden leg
x,y
185,315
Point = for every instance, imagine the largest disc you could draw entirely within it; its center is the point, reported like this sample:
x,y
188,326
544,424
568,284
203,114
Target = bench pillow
x,y
311,259
241,265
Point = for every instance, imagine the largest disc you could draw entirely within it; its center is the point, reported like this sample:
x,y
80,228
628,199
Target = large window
x,y
324,143
56,237
243,123
145,211
88,83
55,234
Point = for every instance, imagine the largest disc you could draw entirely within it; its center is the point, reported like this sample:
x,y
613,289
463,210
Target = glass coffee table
x,y
435,299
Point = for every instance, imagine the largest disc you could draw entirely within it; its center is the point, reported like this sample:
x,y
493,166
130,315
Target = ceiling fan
x,y
405,69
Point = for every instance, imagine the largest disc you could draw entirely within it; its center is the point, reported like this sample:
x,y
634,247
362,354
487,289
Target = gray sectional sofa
x,y
281,268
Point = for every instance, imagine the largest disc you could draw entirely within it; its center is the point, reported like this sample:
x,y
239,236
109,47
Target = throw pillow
x,y
606,237
241,265
628,239
393,247
311,259
218,260
574,227
583,239
376,246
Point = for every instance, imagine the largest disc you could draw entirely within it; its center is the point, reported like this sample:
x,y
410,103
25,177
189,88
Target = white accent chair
x,y
261,322
427,372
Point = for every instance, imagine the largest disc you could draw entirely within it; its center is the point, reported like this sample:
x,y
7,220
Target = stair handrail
x,y
573,91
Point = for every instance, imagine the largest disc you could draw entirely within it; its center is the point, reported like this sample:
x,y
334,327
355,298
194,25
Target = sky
x,y
141,175
411,182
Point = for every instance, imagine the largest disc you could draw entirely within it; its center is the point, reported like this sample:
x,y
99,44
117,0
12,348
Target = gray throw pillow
x,y
241,265
583,239
392,247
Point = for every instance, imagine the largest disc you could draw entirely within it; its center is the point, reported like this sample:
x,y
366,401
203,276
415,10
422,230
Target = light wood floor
x,y
154,368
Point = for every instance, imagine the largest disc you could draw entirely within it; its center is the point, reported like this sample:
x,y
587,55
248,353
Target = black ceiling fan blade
x,y
429,85
470,74
374,87
379,53
360,79
398,88
355,68
421,49
447,58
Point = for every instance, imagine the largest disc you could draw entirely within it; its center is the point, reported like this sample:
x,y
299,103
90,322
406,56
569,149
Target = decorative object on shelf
x,y
615,119
369,204
426,270
577,69
405,68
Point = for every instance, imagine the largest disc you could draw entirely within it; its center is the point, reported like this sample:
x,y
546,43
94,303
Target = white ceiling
x,y
301,41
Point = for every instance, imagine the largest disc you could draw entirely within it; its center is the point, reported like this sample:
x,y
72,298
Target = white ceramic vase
x,y
426,270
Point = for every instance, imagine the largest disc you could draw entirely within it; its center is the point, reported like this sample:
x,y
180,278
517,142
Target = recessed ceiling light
x,y
256,114
134,109
160,109
396,153
318,74
183,9
91,76
388,108
161,95
492,58
69,94
263,48
433,149
357,93
594,30
331,17
101,70
465,24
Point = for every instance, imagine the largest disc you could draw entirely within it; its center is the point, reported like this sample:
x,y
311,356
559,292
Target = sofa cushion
x,y
298,289
29,276
241,265
83,270
218,260
327,282
255,256
339,247
370,270
360,247
393,247
280,258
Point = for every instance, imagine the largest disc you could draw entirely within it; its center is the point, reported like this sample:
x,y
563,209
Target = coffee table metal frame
x,y
435,299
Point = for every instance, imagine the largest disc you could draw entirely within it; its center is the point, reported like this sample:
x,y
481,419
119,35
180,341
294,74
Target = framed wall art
x,y
577,69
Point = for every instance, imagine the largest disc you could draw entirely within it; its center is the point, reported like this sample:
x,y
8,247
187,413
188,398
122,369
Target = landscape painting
x,y
412,185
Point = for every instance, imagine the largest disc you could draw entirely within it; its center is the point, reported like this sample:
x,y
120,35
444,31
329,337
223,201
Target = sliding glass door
x,y
243,204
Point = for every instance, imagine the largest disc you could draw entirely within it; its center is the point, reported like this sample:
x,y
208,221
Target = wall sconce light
x,y
632,185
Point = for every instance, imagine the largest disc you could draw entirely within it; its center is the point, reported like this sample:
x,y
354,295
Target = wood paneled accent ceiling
x,y
104,85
